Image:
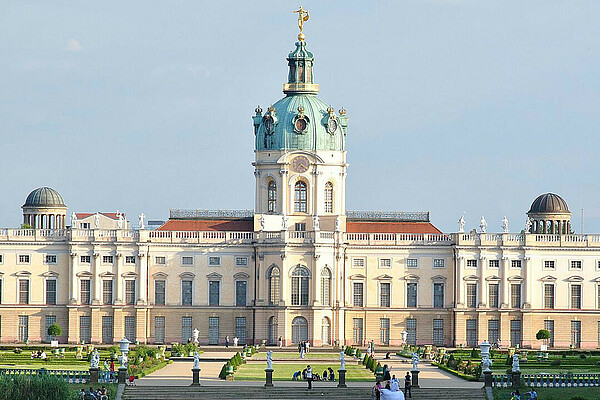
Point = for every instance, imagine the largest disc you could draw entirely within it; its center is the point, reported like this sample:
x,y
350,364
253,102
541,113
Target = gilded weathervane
x,y
302,18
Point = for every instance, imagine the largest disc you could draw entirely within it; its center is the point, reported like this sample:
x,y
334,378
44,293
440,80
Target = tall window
x,y
411,328
272,197
548,295
159,329
300,286
107,329
384,294
493,289
471,332
272,330
107,291
328,197
159,293
240,329
438,295
23,291
576,334
213,330
493,330
576,296
274,276
411,295
85,333
300,197
214,293
357,296
471,295
299,329
130,291
50,319
357,330
186,293
130,328
186,329
51,291
549,326
326,287
384,331
515,295
85,291
438,332
23,328
240,293
515,332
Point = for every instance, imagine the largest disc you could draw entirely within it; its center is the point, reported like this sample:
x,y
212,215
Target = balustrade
x,y
550,380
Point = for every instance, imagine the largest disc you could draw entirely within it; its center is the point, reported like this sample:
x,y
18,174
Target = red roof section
x,y
390,227
237,225
109,215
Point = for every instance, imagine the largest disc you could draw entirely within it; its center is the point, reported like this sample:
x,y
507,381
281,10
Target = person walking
x,y
309,376
227,341
407,385
280,342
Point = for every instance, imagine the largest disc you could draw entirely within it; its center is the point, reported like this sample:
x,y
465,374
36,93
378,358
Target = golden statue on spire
x,y
302,18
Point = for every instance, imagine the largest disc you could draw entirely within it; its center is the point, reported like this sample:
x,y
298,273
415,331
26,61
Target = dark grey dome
x,y
44,197
549,203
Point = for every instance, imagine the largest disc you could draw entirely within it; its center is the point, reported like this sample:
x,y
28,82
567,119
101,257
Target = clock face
x,y
300,125
300,164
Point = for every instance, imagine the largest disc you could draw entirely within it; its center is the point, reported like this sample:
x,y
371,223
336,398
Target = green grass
x,y
296,357
589,393
110,387
8,359
284,371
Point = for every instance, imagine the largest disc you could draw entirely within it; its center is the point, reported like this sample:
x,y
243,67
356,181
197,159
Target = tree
x,y
26,226
543,334
54,330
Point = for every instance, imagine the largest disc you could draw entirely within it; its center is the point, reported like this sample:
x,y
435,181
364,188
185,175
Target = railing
x,y
501,381
197,237
67,376
549,380
398,239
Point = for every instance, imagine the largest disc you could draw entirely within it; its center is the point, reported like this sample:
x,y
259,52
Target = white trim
x,y
24,262
187,265
129,263
51,255
181,289
416,297
107,262
18,280
443,260
241,258
544,268
544,283
364,260
410,259
163,278
46,289
575,260
159,264
218,258
389,282
490,262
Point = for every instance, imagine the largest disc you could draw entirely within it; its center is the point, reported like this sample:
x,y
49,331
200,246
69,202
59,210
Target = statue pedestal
x,y
487,378
342,380
94,372
122,376
268,378
195,377
415,378
516,379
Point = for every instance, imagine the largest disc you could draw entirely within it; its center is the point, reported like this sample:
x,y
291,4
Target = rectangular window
x,y
325,290
214,261
494,264
107,291
130,328
159,330
358,294
240,293
108,259
548,264
411,328
515,264
241,261
438,295
576,296
50,259
85,333
160,260
187,260
412,263
214,293
411,295
357,330
186,293
515,295
129,259
213,330
24,259
493,331
23,328
471,295
471,333
358,262
159,293
1,259
107,329
439,263
576,334
549,326
130,291
471,263
85,225
384,331
85,291
85,260
576,265
186,329
300,227
515,332
384,294
51,291
240,329
548,295
50,320
0,295
438,332
23,291
493,299
385,263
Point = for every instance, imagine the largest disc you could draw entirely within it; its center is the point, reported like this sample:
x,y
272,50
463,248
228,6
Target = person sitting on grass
x,y
324,374
81,394
43,356
533,394
331,374
296,376
516,395
91,394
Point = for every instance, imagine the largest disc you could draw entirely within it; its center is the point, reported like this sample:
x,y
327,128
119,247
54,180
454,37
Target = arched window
x,y
272,330
325,331
326,287
328,197
300,197
272,197
300,286
274,276
299,329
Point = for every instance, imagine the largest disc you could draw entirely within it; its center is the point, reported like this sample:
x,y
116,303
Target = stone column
x,y
143,278
268,378
505,299
119,279
96,282
527,282
415,378
459,281
195,377
483,286
342,378
73,279
94,372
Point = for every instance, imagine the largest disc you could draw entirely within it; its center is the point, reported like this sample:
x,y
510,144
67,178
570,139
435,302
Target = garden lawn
x,y
296,357
587,393
9,359
284,371
110,387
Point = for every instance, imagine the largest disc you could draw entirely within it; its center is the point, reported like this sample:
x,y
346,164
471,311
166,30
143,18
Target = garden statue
x,y
73,220
195,334
316,223
120,219
483,225
284,222
196,360
415,361
486,362
461,223
270,359
515,363
141,221
97,221
505,224
528,224
342,361
123,360
95,360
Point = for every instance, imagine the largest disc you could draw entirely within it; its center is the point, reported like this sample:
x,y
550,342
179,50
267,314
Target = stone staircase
x,y
283,392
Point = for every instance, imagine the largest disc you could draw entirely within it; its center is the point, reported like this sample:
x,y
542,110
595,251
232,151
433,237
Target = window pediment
x,y
515,278
549,278
187,275
50,274
88,274
439,278
384,277
214,276
493,278
471,278
411,277
129,274
23,273
103,275
159,275
357,277
575,279
241,275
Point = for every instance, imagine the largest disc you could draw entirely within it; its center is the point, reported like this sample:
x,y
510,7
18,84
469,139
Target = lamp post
x,y
124,347
486,362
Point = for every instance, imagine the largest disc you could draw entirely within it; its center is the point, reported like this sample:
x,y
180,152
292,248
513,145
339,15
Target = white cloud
x,y
74,45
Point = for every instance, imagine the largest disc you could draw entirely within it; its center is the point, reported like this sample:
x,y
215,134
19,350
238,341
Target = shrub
x,y
35,387
54,330
475,353
542,334
582,356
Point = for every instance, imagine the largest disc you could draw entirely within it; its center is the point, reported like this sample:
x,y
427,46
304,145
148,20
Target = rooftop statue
x,y
505,224
461,223
483,225
302,18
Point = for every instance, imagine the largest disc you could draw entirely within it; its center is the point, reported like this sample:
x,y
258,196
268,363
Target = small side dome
x,y
549,203
44,197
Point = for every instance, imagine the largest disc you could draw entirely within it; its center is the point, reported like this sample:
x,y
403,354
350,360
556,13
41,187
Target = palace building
x,y
299,266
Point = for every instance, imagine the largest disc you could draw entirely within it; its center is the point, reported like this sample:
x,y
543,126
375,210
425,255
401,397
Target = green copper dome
x,y
301,120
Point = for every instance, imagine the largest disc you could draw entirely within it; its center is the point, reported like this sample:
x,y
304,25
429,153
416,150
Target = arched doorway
x,y
325,332
272,331
299,329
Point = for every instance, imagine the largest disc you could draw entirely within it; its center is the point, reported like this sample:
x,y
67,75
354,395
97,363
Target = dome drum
x,y
549,214
44,208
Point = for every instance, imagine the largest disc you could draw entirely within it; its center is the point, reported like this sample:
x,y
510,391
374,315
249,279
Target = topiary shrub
x,y
555,363
475,353
582,356
54,330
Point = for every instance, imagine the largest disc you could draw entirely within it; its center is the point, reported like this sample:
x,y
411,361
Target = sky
x,y
454,107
